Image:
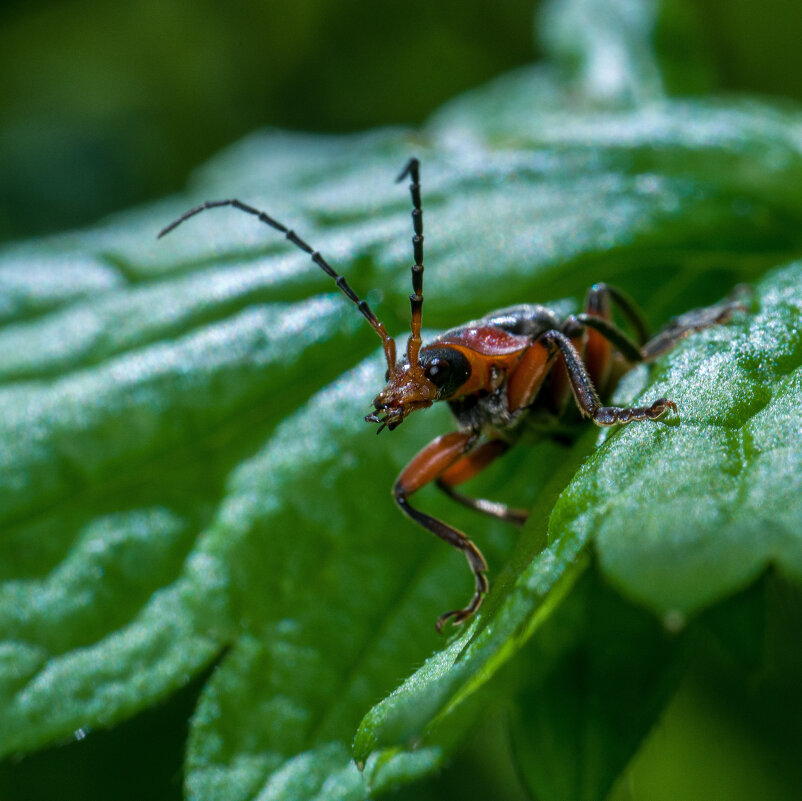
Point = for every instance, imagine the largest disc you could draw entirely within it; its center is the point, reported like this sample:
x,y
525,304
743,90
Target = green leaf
x,y
110,598
611,61
187,477
575,728
732,727
717,496
678,519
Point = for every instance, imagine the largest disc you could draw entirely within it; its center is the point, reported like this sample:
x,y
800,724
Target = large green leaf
x,y
731,467
187,478
679,521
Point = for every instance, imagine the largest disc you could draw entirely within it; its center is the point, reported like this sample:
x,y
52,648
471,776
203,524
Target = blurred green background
x,y
108,104
105,105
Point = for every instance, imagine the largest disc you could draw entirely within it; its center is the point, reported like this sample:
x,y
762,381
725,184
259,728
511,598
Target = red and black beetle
x,y
494,373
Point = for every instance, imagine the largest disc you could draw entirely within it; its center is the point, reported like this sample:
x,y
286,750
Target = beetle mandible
x,y
495,372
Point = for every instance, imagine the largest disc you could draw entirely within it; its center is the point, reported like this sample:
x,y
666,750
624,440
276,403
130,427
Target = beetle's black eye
x,y
446,368
437,371
387,374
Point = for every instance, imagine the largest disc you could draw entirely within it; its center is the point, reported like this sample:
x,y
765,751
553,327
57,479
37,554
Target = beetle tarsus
x,y
457,616
615,415
587,399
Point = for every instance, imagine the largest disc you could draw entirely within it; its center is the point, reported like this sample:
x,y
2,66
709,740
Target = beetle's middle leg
x,y
465,468
603,334
597,317
427,466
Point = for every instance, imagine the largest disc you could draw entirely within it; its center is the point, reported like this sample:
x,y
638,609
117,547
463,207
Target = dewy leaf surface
x,y
682,515
186,475
691,513
242,749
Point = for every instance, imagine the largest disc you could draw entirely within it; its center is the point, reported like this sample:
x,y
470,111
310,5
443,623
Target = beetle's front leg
x,y
426,467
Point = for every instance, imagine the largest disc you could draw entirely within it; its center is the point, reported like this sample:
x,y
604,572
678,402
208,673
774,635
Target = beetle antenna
x,y
412,169
387,341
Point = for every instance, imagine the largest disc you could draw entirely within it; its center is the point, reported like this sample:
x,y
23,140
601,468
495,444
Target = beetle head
x,y
407,389
435,375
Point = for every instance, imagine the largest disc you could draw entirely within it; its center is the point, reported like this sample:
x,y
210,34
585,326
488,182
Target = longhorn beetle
x,y
494,373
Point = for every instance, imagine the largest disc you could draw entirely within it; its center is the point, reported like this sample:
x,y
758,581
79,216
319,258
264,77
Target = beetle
x,y
494,373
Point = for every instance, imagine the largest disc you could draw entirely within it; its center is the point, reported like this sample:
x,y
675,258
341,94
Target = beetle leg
x,y
595,350
603,334
598,318
598,302
427,466
466,468
696,320
612,335
585,393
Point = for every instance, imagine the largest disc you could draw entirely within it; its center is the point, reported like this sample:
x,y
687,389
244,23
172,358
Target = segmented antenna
x,y
412,169
387,341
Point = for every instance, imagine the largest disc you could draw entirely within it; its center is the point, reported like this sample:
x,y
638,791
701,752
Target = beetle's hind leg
x,y
696,320
600,299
